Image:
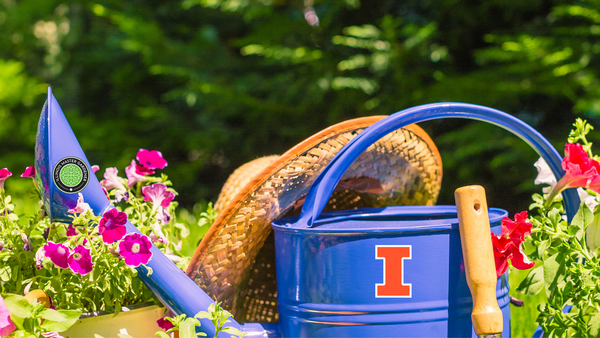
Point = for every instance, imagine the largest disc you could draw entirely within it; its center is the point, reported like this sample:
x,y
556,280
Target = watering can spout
x,y
62,169
63,175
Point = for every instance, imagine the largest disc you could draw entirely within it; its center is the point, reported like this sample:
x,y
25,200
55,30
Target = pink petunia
x,y
112,226
132,174
95,168
4,174
81,207
58,254
151,159
6,324
80,261
158,194
112,181
29,172
71,231
165,324
135,248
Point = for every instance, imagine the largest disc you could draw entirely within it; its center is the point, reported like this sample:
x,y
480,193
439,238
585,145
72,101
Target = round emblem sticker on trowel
x,y
71,175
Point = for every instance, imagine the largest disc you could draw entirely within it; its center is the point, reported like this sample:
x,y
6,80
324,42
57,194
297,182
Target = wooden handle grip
x,y
478,254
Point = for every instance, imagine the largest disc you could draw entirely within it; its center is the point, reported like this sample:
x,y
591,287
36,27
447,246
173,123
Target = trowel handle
x,y
478,254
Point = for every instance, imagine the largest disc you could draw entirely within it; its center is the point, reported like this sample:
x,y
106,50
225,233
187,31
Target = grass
x,y
522,319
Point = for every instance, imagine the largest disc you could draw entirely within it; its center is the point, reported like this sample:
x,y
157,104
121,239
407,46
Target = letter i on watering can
x,y
388,272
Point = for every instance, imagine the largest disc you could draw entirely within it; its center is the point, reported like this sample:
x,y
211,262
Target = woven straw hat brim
x,y
406,163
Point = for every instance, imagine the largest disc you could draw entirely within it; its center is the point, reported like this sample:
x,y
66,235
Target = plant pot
x,y
137,321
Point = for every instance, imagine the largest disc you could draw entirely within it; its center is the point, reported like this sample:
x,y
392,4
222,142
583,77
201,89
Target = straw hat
x,y
235,261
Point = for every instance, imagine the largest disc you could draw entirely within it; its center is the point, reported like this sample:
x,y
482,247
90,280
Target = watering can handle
x,y
324,185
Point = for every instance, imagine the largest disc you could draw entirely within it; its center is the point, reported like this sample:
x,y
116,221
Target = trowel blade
x,y
62,169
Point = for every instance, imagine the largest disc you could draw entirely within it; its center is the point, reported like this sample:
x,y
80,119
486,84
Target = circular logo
x,y
70,175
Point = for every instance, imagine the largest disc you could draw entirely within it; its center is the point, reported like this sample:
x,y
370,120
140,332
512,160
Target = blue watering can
x,y
328,271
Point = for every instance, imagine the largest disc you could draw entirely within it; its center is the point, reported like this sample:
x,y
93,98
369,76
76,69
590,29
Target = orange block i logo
x,y
393,285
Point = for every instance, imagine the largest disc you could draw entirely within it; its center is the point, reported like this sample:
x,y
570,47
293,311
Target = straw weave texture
x,y
235,263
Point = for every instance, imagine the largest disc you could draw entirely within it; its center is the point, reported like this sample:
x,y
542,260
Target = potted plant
x,y
87,266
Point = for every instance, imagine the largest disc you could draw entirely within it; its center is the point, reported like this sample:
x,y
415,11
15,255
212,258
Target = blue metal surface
x,y
324,185
327,274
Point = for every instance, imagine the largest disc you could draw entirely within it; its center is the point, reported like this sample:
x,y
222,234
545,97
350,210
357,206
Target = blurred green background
x,y
213,84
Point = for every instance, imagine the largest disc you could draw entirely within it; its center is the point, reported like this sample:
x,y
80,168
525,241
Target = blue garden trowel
x,y
63,171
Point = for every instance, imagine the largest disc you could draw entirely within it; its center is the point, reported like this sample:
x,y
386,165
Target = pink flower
x,y
58,254
158,194
71,231
111,180
39,258
508,244
164,323
132,174
152,159
29,172
80,261
6,324
81,207
143,170
135,248
112,226
95,168
4,174
52,334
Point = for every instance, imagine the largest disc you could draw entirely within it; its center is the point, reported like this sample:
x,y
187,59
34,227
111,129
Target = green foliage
x,y
33,319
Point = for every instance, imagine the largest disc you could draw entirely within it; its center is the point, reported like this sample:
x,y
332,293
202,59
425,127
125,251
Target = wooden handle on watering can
x,y
478,254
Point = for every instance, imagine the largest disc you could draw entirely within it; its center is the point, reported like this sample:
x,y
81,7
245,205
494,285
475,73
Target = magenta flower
x,y
151,159
112,226
80,261
71,231
164,323
95,168
143,170
158,194
81,207
4,174
58,254
132,174
6,324
135,248
111,180
29,172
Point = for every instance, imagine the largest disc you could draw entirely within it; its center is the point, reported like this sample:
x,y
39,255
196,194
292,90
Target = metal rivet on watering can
x,y
325,293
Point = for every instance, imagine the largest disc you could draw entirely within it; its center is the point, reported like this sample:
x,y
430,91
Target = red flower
x,y
164,323
580,170
508,244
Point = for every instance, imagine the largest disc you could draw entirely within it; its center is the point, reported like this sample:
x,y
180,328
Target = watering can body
x,y
376,272
329,275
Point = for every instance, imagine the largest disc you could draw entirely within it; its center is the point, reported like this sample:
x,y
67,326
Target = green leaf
x,y
554,272
162,334
187,328
19,322
233,331
18,306
52,315
122,335
99,336
204,314
582,219
533,283
71,317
